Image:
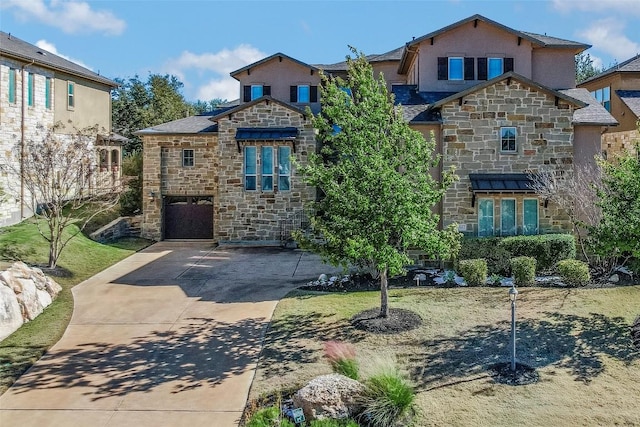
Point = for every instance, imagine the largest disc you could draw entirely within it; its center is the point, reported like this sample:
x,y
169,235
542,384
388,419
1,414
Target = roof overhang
x,y
279,56
267,134
266,99
491,183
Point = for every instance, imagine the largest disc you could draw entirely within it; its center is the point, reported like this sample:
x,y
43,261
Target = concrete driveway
x,y
168,337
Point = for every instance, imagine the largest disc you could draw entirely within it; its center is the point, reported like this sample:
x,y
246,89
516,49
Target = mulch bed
x,y
399,320
524,374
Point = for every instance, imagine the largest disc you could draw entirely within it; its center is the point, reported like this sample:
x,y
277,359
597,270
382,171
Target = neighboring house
x,y
618,89
39,89
500,103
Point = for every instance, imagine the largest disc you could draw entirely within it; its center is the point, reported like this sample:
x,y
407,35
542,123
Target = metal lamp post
x,y
513,294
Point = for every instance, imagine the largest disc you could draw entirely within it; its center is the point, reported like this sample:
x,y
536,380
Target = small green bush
x,y
329,422
388,400
266,417
496,256
342,358
574,272
474,271
547,249
524,270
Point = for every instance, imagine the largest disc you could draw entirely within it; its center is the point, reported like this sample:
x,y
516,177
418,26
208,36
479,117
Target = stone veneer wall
x,y
252,216
471,143
10,128
164,175
615,143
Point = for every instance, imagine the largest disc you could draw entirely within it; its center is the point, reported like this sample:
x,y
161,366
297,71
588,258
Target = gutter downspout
x,y
22,134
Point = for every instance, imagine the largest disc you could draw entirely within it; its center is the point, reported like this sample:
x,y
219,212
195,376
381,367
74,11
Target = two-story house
x,y
37,90
618,90
500,103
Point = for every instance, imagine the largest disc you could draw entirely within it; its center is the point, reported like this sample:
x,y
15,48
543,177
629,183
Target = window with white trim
x,y
508,225
266,159
530,216
485,217
250,168
284,168
71,96
495,67
508,139
188,158
456,68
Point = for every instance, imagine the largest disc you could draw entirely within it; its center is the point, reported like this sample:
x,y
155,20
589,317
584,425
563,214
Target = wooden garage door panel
x,y
188,218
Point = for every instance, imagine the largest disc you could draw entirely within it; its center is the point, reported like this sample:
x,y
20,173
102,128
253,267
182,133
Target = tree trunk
x,y
384,294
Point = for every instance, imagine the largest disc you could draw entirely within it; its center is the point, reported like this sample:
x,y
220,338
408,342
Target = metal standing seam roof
x,y
12,46
501,183
266,134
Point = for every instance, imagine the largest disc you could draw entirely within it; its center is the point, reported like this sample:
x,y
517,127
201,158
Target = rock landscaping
x,y
329,396
24,293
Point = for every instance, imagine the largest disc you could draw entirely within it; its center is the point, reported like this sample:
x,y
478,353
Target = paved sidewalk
x,y
168,337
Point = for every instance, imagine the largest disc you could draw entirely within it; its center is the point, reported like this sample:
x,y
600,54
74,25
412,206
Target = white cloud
x,y
624,6
189,67
50,47
71,16
607,35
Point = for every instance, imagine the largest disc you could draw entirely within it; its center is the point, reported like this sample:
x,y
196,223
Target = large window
x,y
30,89
266,154
284,168
456,68
12,85
47,93
603,96
188,158
530,216
71,96
508,217
250,168
495,67
508,140
485,217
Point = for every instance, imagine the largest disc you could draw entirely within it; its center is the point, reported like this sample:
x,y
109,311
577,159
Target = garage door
x,y
188,217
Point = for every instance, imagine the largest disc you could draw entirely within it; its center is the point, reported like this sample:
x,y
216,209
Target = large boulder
x,y
26,291
10,312
329,396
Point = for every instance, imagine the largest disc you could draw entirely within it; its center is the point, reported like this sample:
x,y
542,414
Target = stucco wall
x,y
471,144
587,144
92,104
554,68
618,81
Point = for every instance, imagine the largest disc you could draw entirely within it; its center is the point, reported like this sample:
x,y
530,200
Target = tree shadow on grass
x,y
287,342
575,343
189,357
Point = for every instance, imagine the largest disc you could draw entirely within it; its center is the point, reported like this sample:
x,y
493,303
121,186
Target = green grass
x,y
81,259
578,339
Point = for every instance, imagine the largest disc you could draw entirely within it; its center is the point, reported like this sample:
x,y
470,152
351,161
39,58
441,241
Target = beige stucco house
x,y
40,89
501,104
618,90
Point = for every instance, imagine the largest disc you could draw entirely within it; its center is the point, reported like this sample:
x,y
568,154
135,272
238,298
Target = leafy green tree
x,y
373,172
201,107
585,68
131,199
617,235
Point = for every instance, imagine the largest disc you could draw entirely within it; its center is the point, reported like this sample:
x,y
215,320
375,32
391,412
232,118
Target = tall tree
x,y
585,68
60,174
201,107
373,172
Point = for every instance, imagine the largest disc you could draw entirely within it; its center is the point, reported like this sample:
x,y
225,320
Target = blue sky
x,y
202,41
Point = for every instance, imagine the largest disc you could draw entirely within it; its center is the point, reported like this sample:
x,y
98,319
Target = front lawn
x,y
80,260
578,339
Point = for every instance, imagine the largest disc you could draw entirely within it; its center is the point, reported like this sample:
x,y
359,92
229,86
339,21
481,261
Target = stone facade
x,y
255,215
615,143
471,144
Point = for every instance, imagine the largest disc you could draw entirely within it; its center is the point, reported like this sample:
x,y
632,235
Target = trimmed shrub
x,y
388,400
547,249
269,417
574,272
474,271
524,270
496,256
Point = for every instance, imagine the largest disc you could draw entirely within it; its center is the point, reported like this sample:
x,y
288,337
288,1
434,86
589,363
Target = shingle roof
x,y
548,41
415,105
195,124
226,111
392,55
269,58
593,113
13,46
632,99
631,65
